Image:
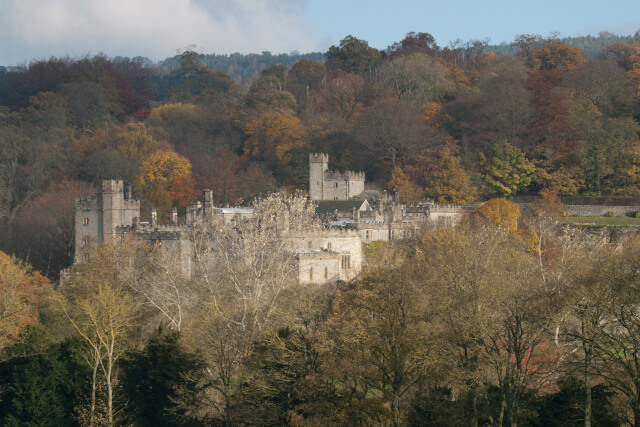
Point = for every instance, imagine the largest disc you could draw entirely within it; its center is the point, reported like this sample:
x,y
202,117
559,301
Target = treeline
x,y
593,46
506,320
455,124
244,68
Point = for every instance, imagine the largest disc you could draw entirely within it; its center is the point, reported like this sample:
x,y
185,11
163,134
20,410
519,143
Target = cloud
x,y
35,29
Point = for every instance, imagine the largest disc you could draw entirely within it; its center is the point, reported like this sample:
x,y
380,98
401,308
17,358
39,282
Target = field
x,y
601,220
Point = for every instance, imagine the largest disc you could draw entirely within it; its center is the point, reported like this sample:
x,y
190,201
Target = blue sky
x,y
37,29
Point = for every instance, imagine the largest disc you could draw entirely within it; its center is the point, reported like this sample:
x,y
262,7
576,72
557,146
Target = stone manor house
x,y
355,215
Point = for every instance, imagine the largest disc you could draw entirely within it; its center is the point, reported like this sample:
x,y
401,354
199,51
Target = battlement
x,y
344,176
323,254
86,203
329,232
113,186
318,158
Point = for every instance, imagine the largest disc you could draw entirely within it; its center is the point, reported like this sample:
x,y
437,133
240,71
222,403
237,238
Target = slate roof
x,y
326,207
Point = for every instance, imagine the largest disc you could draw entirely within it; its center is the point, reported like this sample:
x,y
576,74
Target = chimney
x,y
208,203
174,216
128,195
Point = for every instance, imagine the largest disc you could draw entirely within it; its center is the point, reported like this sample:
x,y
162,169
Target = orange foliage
x,y
22,291
501,212
183,190
273,137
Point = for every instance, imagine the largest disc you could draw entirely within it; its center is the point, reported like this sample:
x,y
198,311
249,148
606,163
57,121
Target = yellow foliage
x,y
501,212
276,134
165,112
163,168
21,290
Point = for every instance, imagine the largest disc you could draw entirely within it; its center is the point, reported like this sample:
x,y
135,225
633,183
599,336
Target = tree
x,y
245,267
501,212
409,192
278,139
414,43
43,231
162,381
416,78
103,312
506,170
135,143
379,329
391,134
353,55
448,182
303,76
164,179
41,380
21,291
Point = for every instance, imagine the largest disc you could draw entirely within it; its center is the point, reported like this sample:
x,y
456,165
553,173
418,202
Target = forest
x,y
508,319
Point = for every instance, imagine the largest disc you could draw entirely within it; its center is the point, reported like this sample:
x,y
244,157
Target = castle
x,y
322,256
354,215
375,215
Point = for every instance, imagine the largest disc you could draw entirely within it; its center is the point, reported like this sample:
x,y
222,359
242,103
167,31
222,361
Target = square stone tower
x,y
318,164
98,216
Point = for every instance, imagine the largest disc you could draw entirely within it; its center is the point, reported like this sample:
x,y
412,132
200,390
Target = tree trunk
x,y
503,404
110,389
587,389
473,422
92,415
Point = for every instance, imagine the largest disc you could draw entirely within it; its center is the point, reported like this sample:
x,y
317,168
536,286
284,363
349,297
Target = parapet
x,y
113,186
329,232
343,176
318,158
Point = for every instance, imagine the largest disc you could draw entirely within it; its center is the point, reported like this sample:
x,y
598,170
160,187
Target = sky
x,y
157,29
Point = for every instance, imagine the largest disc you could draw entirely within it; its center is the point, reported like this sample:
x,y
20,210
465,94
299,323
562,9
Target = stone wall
x,y
594,210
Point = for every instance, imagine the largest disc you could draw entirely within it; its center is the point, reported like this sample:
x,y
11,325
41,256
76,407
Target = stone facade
x,y
327,256
332,185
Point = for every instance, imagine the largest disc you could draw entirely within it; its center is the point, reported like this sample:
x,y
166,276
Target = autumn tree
x,y
44,230
417,78
134,142
506,170
409,192
448,182
278,139
23,291
378,329
303,76
501,212
391,134
164,178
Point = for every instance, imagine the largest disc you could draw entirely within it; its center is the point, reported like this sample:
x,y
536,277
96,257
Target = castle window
x,y
326,272
329,246
85,221
311,273
335,198
336,185
346,262
366,235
